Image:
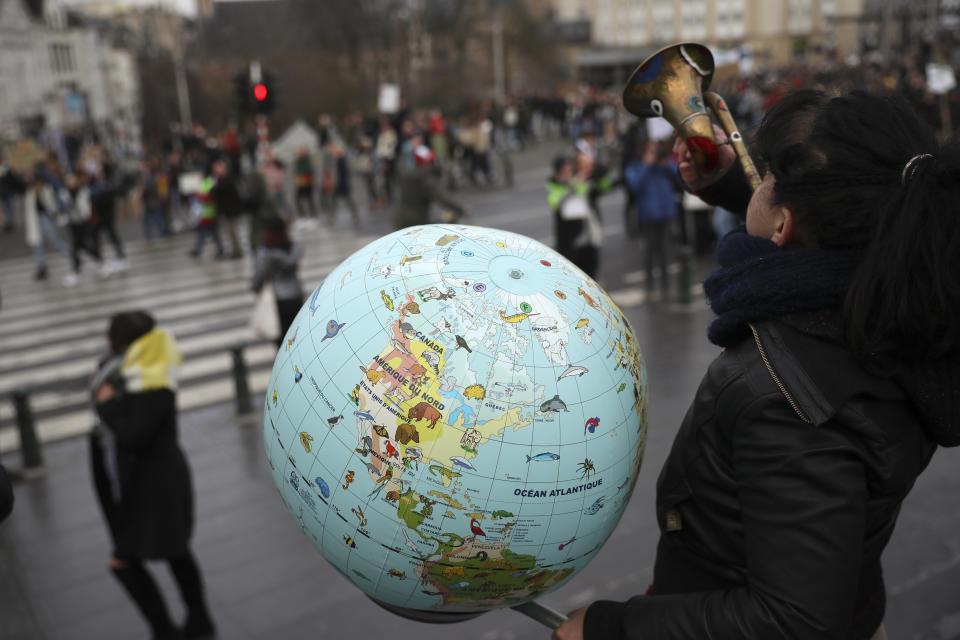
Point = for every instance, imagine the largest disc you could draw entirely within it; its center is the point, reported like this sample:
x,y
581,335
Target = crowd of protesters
x,y
192,178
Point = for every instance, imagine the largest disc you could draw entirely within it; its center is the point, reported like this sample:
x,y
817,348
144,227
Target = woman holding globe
x,y
840,376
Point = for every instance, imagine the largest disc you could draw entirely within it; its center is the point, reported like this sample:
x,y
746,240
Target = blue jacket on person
x,y
654,190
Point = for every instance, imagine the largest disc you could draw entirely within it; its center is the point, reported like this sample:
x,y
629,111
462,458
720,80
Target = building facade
x,y
55,77
773,30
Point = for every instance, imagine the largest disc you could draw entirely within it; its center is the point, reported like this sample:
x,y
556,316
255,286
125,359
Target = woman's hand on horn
x,y
694,179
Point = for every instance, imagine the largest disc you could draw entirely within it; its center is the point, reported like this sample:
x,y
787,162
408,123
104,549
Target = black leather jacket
x,y
779,495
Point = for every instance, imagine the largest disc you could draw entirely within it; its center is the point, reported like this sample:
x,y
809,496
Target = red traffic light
x,y
260,92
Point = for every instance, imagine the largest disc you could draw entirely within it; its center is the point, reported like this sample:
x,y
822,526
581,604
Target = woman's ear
x,y
785,228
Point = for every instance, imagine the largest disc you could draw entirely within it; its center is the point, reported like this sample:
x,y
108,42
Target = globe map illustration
x,y
456,418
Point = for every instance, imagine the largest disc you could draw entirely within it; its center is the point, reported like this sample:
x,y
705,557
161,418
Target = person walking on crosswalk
x,y
204,211
278,262
42,219
140,473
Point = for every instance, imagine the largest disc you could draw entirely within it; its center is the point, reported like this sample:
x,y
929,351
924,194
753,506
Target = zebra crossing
x,y
52,336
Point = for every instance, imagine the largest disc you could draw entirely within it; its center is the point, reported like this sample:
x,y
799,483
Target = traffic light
x,y
255,90
264,93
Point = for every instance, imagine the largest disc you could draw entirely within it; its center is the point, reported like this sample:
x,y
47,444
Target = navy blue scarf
x,y
758,280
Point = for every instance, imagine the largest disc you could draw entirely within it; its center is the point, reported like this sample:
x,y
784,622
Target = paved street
x,y
263,578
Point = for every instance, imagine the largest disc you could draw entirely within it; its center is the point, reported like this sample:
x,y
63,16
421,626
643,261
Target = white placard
x,y
940,78
389,99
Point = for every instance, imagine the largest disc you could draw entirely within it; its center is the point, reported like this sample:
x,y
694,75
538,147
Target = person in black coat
x,y
839,378
141,475
6,495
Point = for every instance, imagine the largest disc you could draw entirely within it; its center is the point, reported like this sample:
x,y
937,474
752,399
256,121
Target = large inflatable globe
x,y
456,419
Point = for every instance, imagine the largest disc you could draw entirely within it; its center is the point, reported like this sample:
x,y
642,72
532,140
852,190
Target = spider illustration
x,y
586,468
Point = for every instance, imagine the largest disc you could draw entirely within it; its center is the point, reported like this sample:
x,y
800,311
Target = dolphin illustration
x,y
554,404
573,371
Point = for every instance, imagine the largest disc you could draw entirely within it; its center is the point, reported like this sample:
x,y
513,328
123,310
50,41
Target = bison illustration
x,y
423,411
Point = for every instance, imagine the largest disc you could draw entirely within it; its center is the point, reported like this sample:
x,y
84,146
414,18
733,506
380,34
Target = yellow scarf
x,y
152,362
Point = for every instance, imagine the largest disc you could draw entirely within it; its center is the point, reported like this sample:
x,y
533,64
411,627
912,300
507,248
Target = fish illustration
x,y
573,371
412,307
460,462
334,421
567,543
623,385
560,294
359,513
372,469
582,322
474,391
387,300
554,404
516,317
373,375
595,507
398,574
363,415
447,239
381,431
297,376
347,478
292,338
322,485
333,328
591,425
543,457
367,446
350,542
461,343
305,439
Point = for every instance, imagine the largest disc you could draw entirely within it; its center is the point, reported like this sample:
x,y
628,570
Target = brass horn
x,y
673,83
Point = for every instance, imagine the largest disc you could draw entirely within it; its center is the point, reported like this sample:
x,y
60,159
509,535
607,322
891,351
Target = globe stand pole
x,y
550,618
544,615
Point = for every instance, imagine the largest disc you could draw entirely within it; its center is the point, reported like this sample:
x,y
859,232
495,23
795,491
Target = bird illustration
x,y
334,421
461,343
333,328
475,528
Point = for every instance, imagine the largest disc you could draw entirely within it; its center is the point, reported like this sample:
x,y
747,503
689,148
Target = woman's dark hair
x,y
275,234
126,327
841,166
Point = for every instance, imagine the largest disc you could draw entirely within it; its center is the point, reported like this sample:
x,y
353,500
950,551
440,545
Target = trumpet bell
x,y
671,84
